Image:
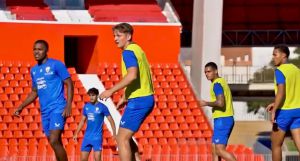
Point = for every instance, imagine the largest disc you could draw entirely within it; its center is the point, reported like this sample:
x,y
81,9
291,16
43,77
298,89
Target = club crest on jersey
x,y
97,110
48,71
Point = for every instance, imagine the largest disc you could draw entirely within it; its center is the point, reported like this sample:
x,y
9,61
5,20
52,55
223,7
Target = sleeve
x,y
83,111
218,89
129,59
32,80
105,110
280,79
61,70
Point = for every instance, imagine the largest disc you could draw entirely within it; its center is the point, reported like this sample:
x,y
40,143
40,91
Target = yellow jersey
x,y
142,86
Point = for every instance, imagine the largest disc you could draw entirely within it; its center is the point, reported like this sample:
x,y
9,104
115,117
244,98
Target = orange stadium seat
x,y
23,126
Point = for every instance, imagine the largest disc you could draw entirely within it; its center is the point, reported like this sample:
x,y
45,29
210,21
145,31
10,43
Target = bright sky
x,y
262,55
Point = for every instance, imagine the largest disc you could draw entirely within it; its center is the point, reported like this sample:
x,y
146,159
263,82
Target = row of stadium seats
x,y
121,11
88,3
100,10
154,152
30,10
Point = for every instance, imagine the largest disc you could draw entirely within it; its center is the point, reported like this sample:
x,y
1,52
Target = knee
x,y
121,139
275,142
83,159
54,142
98,158
218,151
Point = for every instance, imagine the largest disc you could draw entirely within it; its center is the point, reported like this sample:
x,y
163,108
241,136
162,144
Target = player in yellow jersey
x,y
222,108
139,91
285,110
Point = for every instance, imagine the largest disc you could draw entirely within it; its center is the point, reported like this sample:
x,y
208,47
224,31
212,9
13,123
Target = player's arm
x,y
220,98
80,125
64,75
30,98
219,103
70,93
280,96
112,124
121,102
131,64
128,78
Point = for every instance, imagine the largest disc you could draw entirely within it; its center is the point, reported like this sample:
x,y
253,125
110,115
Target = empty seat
x,y
5,70
9,77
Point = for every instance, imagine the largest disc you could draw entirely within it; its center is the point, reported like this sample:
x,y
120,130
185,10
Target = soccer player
x,y
138,94
222,108
285,110
48,79
94,112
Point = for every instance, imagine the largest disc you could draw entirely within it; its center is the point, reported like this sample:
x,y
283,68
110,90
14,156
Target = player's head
x,y
40,49
93,93
281,54
123,34
211,71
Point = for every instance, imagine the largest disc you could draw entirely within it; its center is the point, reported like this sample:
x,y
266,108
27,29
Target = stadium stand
x,y
129,11
30,10
177,129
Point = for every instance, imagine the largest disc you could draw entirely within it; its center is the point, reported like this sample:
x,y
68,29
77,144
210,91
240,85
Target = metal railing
x,y
247,74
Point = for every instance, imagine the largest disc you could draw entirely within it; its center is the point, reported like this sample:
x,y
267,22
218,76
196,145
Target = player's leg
x,y
277,138
221,151
283,122
123,139
56,127
135,150
296,138
57,146
295,130
97,146
222,130
214,154
54,138
97,155
86,148
84,155
135,113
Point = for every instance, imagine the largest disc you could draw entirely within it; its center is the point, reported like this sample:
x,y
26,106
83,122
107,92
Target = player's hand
x,y
203,103
67,112
270,107
18,112
75,138
273,117
115,136
105,95
121,103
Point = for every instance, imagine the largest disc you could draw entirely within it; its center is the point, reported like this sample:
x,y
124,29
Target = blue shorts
x,y
52,121
222,130
136,111
88,144
288,119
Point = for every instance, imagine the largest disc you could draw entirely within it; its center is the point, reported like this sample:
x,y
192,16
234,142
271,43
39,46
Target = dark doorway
x,y
79,51
71,51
